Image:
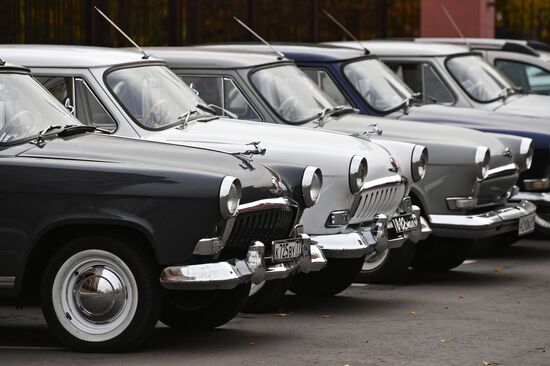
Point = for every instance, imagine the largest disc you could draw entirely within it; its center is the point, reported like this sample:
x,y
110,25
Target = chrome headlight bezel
x,y
482,161
230,196
527,150
312,183
419,162
358,170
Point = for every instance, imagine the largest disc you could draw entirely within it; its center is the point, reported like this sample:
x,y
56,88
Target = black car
x,y
112,234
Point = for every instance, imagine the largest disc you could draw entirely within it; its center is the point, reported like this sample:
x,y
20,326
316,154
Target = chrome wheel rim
x,y
254,289
542,220
94,295
374,260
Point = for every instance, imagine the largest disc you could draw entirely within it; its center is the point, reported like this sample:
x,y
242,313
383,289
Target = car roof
x,y
9,67
69,56
405,48
212,56
508,45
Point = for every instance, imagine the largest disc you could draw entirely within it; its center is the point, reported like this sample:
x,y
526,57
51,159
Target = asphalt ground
x,y
492,310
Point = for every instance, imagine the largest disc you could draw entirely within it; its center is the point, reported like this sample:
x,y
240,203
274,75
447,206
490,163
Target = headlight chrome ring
x,y
526,150
230,196
312,182
419,162
358,170
482,161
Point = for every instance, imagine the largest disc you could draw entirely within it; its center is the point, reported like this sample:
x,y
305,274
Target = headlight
x,y
358,170
419,161
230,196
312,181
482,160
526,150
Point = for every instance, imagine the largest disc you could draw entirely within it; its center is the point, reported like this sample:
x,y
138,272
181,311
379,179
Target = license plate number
x,y
403,224
526,224
287,250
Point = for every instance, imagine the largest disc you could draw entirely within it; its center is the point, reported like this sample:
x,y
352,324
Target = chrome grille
x,y
495,188
381,200
262,225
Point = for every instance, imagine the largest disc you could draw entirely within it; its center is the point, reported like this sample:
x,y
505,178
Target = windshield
x,y
154,96
26,108
291,93
377,84
478,78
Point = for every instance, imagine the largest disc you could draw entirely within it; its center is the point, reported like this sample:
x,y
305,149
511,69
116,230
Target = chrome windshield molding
x,y
7,281
264,204
498,221
505,169
382,182
537,184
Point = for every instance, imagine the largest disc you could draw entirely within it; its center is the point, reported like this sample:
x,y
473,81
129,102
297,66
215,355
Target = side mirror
x,y
69,107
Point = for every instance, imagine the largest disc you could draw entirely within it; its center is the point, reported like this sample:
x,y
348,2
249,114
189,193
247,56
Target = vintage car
x,y
526,63
111,234
455,76
470,177
353,78
363,206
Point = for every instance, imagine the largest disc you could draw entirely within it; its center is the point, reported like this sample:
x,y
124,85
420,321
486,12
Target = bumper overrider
x,y
514,216
296,254
381,234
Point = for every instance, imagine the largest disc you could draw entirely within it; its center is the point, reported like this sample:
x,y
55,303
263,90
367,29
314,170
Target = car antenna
x,y
453,23
346,31
280,55
145,54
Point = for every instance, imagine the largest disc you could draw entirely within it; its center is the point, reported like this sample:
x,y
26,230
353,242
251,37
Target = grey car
x,y
470,179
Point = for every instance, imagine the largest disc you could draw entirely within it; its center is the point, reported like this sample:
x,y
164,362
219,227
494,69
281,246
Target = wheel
x,y
337,276
542,225
201,310
389,265
100,294
437,254
266,295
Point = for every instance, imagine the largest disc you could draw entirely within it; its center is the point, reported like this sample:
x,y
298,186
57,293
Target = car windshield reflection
x,y
26,108
377,84
291,93
154,96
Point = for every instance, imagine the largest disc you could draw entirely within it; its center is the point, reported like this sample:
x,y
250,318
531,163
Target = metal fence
x,y
177,22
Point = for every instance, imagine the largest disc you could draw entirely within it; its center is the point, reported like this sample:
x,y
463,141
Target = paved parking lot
x,y
492,310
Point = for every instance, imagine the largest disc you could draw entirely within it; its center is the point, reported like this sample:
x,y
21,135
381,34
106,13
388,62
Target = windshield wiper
x,y
66,130
506,92
224,111
206,108
334,112
183,119
408,102
41,138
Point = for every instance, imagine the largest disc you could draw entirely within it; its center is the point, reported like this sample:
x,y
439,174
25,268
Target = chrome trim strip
x,y
382,182
263,204
535,197
7,281
512,168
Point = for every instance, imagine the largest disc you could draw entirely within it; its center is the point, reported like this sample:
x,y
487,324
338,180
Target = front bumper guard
x,y
479,226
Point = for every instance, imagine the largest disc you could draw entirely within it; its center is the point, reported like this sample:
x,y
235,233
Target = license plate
x,y
286,250
526,224
405,223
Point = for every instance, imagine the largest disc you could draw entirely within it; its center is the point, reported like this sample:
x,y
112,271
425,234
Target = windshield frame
x,y
255,69
26,72
478,54
371,57
141,64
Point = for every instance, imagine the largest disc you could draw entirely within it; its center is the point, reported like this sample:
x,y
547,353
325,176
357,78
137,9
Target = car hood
x,y
438,139
527,105
256,180
283,144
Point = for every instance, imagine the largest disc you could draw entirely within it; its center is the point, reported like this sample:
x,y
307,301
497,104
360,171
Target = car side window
x,y
61,87
531,78
222,92
325,82
422,78
89,109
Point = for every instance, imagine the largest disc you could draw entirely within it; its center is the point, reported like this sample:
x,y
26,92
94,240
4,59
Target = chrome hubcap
x,y
99,294
375,260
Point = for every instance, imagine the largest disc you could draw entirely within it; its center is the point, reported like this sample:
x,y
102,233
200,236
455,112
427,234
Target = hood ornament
x,y
373,130
246,156
507,153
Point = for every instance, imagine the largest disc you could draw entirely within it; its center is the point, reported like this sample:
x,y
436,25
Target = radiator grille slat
x,y
494,189
381,200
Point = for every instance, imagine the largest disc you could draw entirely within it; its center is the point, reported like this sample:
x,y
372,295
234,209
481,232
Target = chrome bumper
x,y
482,225
538,198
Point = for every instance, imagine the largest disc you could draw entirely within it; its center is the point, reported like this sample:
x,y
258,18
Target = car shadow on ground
x,y
532,249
